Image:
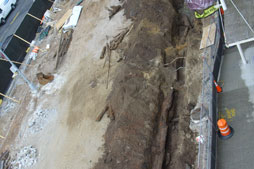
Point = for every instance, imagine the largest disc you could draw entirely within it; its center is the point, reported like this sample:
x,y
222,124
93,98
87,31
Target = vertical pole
x,y
223,4
31,85
241,53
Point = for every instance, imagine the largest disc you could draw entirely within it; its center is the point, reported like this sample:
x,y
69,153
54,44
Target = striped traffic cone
x,y
34,53
36,49
218,88
225,131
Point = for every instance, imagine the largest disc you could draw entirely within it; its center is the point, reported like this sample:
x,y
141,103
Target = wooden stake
x,y
15,62
99,117
43,50
16,101
109,55
35,17
111,113
22,39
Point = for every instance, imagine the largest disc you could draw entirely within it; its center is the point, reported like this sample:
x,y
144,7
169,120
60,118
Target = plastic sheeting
x,y
199,4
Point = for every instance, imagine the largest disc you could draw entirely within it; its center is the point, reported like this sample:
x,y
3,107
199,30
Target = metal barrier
x,y
208,128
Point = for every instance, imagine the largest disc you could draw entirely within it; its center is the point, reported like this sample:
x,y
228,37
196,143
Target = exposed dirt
x,y
137,139
151,91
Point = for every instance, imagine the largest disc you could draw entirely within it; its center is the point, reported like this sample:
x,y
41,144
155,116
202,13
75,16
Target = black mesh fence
x,y
15,49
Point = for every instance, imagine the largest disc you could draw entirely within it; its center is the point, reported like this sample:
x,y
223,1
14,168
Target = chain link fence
x,y
208,115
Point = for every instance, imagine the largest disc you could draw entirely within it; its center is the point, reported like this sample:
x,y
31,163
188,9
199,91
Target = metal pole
x,y
241,53
223,4
22,39
31,85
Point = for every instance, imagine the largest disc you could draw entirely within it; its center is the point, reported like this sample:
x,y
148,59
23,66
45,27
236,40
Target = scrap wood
x,y
107,109
118,39
106,51
161,137
99,117
208,36
109,56
111,113
167,64
64,43
103,52
112,46
66,16
107,59
113,10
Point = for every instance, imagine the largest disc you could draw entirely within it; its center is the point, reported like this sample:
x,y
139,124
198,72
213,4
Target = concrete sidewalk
x,y
235,104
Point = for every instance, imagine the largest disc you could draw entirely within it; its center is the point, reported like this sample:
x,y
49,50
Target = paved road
x,y
14,19
236,106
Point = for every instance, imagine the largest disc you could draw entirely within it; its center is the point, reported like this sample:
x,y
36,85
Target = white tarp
x,y
73,20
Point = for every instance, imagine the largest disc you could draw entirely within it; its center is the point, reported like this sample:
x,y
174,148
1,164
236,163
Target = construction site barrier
x,y
213,114
16,48
212,59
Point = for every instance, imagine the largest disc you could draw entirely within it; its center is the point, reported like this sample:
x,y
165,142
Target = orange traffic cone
x,y
225,131
218,88
221,11
42,19
36,49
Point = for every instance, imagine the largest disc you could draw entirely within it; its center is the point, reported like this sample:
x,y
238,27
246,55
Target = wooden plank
x,y
66,16
208,36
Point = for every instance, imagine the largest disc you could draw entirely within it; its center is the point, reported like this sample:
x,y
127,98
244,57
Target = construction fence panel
x,y
217,55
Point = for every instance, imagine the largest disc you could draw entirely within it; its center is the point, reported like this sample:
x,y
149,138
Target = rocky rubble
x,y
27,156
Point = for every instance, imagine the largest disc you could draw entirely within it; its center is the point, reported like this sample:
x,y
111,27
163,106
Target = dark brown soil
x,y
150,130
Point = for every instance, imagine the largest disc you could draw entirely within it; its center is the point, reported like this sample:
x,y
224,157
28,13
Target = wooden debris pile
x,y
113,10
112,45
63,46
5,160
106,53
108,109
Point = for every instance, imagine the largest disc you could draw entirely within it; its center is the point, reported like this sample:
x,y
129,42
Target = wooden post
x,y
16,101
35,17
22,39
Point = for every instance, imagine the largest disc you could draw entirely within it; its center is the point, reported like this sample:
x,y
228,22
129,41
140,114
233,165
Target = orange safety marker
x,y
225,131
218,88
36,49
221,11
42,19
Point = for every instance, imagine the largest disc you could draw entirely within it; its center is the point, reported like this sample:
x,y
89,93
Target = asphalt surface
x,y
14,19
236,105
235,27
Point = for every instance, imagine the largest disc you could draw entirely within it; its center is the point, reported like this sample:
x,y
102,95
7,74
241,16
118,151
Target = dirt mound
x,y
144,96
